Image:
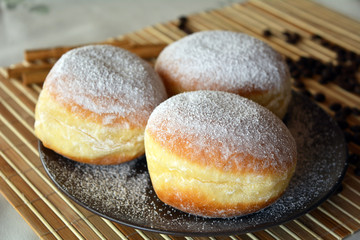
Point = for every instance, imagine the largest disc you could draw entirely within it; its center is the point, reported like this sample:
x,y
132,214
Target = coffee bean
x,y
348,136
356,111
356,138
292,37
306,93
335,107
347,111
357,171
183,20
355,128
267,33
319,97
299,85
342,124
353,158
316,37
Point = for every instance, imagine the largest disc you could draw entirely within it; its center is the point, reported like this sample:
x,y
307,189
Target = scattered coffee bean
x,y
343,124
342,114
347,111
316,37
324,80
319,97
356,138
350,55
289,60
357,171
348,136
308,73
325,43
304,62
292,37
344,72
297,37
267,33
353,158
183,20
306,92
335,107
296,74
357,90
286,33
356,111
299,85
341,55
355,129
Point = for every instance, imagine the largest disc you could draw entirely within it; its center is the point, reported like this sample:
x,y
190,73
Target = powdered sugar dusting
x,y
124,192
224,122
224,60
105,80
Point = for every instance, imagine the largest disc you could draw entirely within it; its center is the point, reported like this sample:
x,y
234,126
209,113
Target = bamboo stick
x,y
335,92
143,51
57,52
314,18
278,26
16,71
150,38
331,17
171,31
148,51
277,43
34,77
315,29
157,35
270,20
36,73
134,36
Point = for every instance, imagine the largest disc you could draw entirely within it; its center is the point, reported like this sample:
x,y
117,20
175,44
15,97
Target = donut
x,y
227,61
95,103
217,154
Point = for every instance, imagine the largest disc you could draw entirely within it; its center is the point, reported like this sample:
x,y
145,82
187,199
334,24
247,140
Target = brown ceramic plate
x,y
124,194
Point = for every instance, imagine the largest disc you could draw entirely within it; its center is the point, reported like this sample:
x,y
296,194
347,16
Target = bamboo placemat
x,y
297,29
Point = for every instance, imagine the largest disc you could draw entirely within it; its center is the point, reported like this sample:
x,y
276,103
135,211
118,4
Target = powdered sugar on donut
x,y
224,60
226,123
105,80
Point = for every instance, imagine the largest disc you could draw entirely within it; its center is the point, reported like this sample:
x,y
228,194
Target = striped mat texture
x,y
300,30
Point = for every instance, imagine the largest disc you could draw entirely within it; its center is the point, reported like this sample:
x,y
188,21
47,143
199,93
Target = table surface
x,y
38,24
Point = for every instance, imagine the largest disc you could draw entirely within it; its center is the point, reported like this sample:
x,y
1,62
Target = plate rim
x,y
217,232
200,234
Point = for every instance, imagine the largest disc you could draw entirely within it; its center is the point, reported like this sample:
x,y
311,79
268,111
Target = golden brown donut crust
x,y
209,208
227,61
84,139
199,171
95,104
